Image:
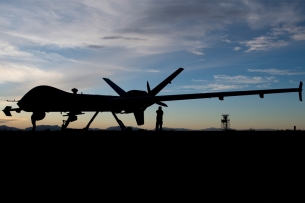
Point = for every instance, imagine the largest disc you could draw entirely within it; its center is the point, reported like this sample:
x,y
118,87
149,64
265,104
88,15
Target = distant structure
x,y
225,122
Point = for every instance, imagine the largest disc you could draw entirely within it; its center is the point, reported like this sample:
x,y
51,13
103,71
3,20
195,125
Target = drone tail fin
x,y
165,82
7,110
115,87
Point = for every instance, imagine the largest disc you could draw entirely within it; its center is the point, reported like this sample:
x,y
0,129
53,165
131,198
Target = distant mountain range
x,y
4,128
45,127
113,128
38,128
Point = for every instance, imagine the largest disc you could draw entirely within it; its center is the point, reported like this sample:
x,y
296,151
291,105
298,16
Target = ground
x,y
220,165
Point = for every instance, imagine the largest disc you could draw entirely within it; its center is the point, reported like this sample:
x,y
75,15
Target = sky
x,y
231,45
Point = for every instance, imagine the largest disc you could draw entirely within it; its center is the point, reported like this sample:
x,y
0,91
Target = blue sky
x,y
222,46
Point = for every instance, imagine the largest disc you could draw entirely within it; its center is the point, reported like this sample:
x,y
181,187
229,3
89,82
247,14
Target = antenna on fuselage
x,y
11,100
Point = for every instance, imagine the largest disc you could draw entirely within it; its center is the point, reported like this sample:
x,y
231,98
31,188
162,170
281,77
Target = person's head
x,y
160,107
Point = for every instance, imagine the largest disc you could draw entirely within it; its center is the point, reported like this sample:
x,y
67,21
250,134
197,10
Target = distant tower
x,y
225,122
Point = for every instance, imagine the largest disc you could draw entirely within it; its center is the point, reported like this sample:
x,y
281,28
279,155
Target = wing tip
x,y
300,90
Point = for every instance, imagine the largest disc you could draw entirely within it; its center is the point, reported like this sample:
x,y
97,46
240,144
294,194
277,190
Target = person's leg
x,y
157,126
161,123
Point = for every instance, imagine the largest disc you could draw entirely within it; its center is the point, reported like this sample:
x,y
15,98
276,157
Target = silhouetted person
x,y
159,118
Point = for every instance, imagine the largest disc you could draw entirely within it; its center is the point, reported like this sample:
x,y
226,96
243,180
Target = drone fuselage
x,y
50,99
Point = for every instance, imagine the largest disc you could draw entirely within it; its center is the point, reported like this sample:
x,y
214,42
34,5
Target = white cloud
x,y
226,40
8,50
152,71
10,119
299,36
291,81
236,48
200,60
241,79
263,85
214,87
296,32
263,43
100,24
197,51
225,82
261,14
22,73
147,28
131,69
274,71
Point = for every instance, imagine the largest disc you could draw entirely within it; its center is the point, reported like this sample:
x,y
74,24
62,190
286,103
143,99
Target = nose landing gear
x,y
36,116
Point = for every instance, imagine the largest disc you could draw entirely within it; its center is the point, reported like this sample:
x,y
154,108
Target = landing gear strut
x,y
121,124
87,127
65,124
37,116
33,123
72,117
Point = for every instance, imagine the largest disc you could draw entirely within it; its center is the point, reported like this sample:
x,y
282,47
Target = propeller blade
x,y
157,102
161,103
148,88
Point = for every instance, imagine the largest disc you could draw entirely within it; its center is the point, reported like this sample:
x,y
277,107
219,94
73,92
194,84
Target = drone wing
x,y
220,95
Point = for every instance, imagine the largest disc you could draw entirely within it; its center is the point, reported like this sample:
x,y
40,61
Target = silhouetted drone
x,y
134,101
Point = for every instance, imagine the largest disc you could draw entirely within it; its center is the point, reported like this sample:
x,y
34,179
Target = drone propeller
x,y
157,102
161,103
148,88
